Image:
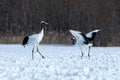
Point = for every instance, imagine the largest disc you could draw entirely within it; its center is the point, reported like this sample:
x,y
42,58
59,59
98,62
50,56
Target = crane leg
x,y
40,53
33,53
81,53
89,52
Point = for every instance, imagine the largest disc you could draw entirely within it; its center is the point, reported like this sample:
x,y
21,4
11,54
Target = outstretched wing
x,y
85,38
80,37
91,35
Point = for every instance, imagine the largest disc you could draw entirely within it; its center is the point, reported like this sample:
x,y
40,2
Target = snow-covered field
x,y
61,62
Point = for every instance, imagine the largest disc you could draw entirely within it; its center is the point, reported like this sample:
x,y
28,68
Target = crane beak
x,y
46,23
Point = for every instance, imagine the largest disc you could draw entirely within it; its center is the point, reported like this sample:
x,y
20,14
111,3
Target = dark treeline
x,y
19,18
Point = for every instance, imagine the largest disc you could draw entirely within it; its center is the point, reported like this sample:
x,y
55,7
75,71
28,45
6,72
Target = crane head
x,y
43,22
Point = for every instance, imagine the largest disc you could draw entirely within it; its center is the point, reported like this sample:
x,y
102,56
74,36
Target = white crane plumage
x,y
35,39
81,39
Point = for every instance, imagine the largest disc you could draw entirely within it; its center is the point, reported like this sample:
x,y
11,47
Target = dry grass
x,y
49,38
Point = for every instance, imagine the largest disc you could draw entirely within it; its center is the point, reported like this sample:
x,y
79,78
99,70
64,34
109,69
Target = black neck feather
x,y
42,26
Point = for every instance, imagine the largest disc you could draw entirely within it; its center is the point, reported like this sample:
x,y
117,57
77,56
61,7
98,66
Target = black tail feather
x,y
25,40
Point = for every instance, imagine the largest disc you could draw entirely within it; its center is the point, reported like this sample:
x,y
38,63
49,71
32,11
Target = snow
x,y
62,62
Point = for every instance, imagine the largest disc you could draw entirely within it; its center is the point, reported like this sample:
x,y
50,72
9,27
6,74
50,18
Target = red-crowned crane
x,y
35,39
83,39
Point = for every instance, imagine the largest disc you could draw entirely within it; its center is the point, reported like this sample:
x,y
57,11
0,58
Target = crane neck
x,y
42,30
42,25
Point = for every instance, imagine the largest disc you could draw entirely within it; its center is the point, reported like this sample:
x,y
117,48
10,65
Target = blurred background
x,y
19,18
